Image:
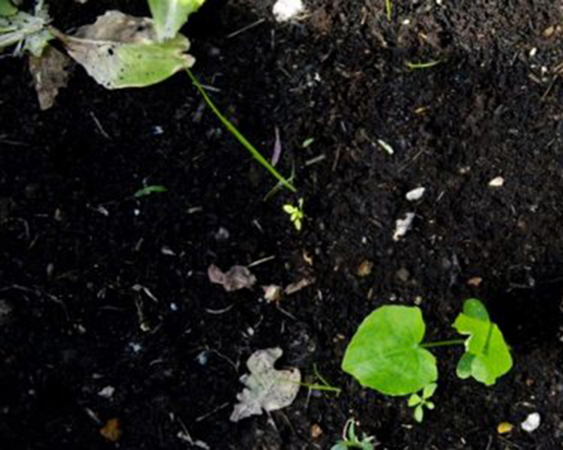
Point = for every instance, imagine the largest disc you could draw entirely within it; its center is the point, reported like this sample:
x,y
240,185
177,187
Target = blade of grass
x,y
233,130
389,9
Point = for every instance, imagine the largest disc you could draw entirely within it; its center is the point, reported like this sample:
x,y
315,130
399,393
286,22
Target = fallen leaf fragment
x,y
316,431
293,288
504,428
272,293
365,269
403,225
111,430
267,389
496,182
237,277
50,72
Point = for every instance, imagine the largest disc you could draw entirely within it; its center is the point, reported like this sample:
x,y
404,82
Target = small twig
x,y
219,311
99,125
261,261
210,413
315,160
245,28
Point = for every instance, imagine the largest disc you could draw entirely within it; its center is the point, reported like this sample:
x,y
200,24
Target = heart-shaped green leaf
x,y
385,353
487,356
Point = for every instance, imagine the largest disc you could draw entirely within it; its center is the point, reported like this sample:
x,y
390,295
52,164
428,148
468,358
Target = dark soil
x,y
79,252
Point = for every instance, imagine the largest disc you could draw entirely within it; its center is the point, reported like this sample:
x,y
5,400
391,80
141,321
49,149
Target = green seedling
x,y
419,402
422,65
351,440
388,354
296,214
148,190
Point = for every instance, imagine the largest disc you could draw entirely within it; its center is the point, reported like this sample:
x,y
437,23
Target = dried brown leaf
x,y
50,72
266,388
237,277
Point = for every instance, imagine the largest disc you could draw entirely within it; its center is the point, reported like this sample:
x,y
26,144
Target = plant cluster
x,y
388,354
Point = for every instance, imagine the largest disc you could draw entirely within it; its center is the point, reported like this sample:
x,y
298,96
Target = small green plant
x,y
351,440
419,402
387,352
296,214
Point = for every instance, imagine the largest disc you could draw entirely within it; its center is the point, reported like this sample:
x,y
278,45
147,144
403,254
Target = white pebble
x,y
285,10
496,182
531,423
402,226
415,194
107,392
533,52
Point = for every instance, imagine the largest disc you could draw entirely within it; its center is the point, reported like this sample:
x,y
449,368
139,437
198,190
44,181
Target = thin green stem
x,y
321,387
233,130
443,343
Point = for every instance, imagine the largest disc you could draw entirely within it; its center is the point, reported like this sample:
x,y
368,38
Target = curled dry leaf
x,y
266,388
237,277
272,293
111,430
293,288
121,51
50,73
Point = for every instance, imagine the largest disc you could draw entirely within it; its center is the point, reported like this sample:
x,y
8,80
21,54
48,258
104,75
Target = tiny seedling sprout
x,y
351,440
419,402
296,214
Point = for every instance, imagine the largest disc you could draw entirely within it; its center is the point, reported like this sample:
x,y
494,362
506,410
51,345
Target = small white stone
x,y
531,423
107,392
285,10
496,182
415,194
533,52
402,226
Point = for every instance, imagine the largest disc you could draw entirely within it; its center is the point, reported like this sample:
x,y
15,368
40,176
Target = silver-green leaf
x,y
170,15
121,51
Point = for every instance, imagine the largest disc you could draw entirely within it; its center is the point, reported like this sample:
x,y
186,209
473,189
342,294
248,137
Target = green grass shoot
x,y
237,134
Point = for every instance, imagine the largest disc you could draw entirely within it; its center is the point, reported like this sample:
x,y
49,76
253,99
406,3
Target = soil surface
x,y
101,289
